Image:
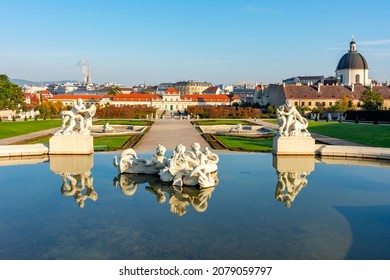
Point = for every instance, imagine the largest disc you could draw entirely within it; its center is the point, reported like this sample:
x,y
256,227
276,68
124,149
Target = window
x,y
341,79
357,78
323,103
296,103
303,103
309,103
330,103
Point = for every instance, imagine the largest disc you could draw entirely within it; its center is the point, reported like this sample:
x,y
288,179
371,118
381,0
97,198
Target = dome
x,y
352,59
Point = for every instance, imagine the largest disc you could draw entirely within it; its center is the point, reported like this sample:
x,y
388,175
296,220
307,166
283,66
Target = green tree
x,y
371,99
114,91
11,95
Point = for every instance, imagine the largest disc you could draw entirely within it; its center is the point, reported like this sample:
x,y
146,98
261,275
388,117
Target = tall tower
x,y
89,77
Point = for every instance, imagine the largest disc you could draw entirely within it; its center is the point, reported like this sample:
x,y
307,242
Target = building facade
x,y
192,87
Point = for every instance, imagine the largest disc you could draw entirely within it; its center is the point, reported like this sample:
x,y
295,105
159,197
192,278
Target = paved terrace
x,y
169,133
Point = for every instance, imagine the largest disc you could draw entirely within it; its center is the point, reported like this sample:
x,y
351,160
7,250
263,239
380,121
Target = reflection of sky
x,y
242,221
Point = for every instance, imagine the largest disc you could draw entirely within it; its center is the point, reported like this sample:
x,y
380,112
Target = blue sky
x,y
152,41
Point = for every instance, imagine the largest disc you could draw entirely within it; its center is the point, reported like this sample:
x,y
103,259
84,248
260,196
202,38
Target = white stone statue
x,y
236,129
185,168
130,163
79,118
291,123
108,129
191,168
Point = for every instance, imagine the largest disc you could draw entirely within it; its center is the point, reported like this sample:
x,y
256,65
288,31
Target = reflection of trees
x,y
80,186
179,197
289,185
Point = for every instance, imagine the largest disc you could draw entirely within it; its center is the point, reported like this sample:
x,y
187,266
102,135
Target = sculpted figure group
x,y
78,119
185,167
291,123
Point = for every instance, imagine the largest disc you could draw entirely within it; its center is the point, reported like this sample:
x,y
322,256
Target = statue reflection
x,y
292,173
80,186
178,197
75,171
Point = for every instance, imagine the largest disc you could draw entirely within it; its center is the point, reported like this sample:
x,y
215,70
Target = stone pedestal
x,y
77,144
293,145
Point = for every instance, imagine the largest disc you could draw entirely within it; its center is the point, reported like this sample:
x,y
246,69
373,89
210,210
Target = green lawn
x,y
11,129
222,122
246,144
366,134
113,142
122,122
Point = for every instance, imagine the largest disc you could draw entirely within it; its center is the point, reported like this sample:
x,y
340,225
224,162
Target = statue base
x,y
293,145
71,144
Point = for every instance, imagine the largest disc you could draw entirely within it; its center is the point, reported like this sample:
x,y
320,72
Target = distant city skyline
x,y
221,42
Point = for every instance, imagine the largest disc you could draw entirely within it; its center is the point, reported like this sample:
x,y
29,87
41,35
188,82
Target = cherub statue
x,y
130,163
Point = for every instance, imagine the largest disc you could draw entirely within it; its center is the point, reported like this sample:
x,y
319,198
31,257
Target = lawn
x,y
11,129
246,144
366,134
362,133
113,142
222,122
122,122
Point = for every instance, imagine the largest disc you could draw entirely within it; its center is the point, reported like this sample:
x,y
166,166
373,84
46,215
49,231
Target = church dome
x,y
352,59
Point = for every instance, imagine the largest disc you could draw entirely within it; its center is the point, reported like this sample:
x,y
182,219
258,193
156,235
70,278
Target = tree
x,y
11,95
114,91
371,99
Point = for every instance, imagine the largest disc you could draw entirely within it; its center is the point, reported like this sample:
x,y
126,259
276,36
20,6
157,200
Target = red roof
x,y
206,97
135,97
331,91
211,90
76,96
171,90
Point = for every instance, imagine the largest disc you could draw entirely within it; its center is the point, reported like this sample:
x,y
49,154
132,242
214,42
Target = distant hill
x,y
22,82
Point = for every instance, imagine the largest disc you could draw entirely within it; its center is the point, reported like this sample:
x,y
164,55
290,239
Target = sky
x,y
222,42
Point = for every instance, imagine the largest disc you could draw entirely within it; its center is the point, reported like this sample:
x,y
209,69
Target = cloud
x,y
375,42
261,10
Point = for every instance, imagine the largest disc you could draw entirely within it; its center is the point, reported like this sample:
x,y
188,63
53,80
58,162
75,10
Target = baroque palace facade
x,y
171,100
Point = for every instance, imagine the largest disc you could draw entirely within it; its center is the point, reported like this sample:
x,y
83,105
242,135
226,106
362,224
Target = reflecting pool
x,y
262,208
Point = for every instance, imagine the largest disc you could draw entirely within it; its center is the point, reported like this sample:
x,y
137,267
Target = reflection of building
x,y
292,173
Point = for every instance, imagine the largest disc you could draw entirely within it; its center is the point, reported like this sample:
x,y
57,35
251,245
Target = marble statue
x,y
237,128
129,162
192,167
290,121
79,118
184,168
107,128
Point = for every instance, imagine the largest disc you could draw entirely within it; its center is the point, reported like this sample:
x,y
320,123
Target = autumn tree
x,y
114,91
371,99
